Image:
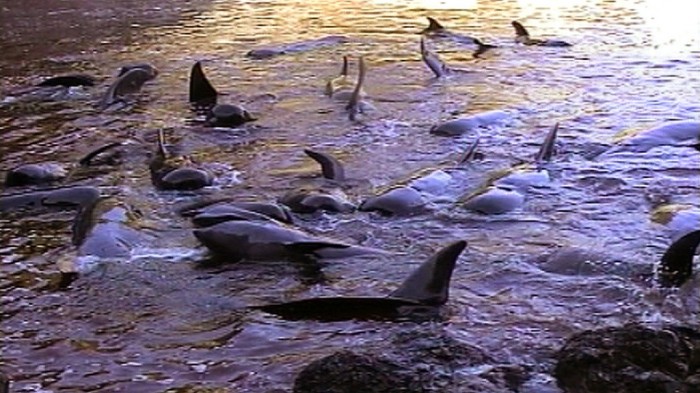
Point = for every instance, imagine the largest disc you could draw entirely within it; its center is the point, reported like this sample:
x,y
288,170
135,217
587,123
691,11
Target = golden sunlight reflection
x,y
673,25
434,4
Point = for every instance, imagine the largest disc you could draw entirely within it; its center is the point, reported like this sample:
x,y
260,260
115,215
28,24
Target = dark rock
x,y
632,358
423,359
348,372
33,174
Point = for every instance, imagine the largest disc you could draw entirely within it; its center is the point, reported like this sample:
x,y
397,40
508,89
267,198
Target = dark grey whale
x,y
258,240
676,265
420,295
130,81
171,173
522,36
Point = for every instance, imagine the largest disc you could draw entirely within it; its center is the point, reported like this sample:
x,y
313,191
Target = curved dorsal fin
x,y
433,25
201,90
677,263
430,283
331,168
520,30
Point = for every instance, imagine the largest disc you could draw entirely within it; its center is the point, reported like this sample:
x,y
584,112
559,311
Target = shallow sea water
x,y
158,321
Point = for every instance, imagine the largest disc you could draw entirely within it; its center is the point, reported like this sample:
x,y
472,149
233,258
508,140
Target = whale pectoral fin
x,y
677,263
430,283
312,247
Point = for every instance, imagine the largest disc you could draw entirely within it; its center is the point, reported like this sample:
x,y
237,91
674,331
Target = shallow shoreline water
x,y
159,321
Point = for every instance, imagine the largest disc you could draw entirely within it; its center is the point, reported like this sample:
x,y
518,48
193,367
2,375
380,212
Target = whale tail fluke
x,y
481,48
677,262
548,146
201,90
331,168
430,283
354,106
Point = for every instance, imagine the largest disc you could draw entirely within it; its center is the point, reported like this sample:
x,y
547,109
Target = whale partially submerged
x,y
522,36
259,240
420,296
129,82
682,133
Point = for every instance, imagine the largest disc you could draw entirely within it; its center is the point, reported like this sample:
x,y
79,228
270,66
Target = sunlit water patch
x,y
160,319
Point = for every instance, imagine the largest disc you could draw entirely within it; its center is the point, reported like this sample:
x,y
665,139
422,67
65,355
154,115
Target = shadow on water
x,y
158,319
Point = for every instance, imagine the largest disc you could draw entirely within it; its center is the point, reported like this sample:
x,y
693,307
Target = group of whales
x,y
238,230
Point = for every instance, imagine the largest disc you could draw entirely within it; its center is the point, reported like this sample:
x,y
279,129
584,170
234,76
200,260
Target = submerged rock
x,y
630,359
415,360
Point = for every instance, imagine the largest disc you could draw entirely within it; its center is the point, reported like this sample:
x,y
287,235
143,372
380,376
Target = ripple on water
x,y
161,319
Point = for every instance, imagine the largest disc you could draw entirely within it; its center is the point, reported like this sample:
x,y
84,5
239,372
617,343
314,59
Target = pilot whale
x,y
522,36
259,240
507,191
683,133
676,265
436,30
129,81
175,173
420,296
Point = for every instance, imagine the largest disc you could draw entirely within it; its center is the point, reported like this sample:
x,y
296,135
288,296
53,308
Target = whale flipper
x,y
430,283
331,168
201,90
354,106
677,263
548,146
471,154
433,61
310,247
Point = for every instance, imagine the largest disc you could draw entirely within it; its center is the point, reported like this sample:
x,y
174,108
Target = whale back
x,y
677,262
430,283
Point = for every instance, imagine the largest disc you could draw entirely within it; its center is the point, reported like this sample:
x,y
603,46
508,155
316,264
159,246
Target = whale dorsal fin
x,y
547,149
677,263
433,25
354,105
331,168
520,30
201,90
430,283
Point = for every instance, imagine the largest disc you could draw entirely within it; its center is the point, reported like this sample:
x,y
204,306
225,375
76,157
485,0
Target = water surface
x,y
157,321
